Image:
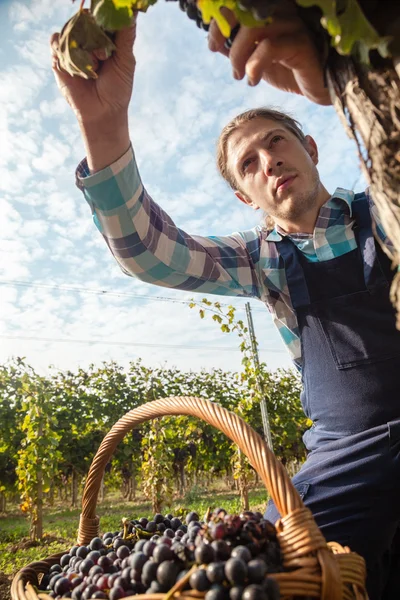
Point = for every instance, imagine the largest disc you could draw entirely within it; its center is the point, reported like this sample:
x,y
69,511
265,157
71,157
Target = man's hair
x,y
256,113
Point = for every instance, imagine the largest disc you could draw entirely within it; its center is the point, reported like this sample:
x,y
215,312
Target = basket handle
x,y
271,471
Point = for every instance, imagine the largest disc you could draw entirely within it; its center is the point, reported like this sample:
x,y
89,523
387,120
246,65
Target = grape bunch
x,y
225,557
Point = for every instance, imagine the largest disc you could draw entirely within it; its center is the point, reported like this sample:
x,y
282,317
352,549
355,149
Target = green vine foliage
x,y
280,389
75,410
38,455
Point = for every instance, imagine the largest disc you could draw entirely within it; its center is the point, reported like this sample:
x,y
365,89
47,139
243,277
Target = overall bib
x,y
351,369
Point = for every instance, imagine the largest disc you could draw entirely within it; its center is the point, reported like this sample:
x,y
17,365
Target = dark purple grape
x,y
78,591
112,555
158,518
73,550
140,545
148,548
273,554
55,569
218,531
64,560
62,586
256,570
94,555
169,516
89,591
241,552
204,554
179,533
167,572
236,571
143,522
137,561
216,572
111,578
236,592
96,544
123,552
221,549
107,535
162,552
151,527
54,578
99,594
192,516
116,593
121,582
118,543
85,566
167,523
175,523
199,581
217,592
161,527
76,581
95,570
157,588
105,563
253,592
169,533
82,552
149,572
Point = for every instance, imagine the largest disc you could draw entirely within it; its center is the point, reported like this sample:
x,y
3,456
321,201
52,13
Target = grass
x,y
61,523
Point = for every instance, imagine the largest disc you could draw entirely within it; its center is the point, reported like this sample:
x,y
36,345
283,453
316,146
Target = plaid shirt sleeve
x,y
148,245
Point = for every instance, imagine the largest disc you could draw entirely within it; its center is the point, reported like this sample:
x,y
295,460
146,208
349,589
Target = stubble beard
x,y
301,203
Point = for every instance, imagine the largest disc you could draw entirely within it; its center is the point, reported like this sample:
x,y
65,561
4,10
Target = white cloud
x,y
54,155
183,96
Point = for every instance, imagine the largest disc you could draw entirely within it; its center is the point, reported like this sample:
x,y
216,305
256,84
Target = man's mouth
x,y
284,182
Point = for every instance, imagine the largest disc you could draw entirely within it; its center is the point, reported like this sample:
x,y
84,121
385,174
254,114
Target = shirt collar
x,y
346,196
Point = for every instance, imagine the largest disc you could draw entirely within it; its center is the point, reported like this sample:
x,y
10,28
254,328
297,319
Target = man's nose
x,y
270,163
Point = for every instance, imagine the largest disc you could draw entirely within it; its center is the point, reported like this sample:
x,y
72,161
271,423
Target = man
x,y
317,268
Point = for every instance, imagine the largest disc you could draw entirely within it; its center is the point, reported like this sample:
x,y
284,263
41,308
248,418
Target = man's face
x,y
274,171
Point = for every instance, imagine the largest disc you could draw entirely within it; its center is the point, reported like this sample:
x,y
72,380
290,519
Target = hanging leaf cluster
x,y
90,30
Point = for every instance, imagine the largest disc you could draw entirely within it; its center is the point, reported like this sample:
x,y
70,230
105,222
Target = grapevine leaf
x,y
356,28
350,30
110,16
79,37
246,18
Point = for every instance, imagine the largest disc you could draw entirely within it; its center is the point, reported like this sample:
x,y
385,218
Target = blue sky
x,y
54,263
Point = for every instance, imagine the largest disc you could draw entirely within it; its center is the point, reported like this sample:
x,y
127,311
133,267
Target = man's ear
x,y
246,200
312,148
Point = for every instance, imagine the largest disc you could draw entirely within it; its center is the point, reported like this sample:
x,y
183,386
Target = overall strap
x,y
295,277
374,275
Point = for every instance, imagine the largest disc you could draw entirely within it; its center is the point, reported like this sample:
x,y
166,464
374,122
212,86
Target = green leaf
x,y
109,16
350,30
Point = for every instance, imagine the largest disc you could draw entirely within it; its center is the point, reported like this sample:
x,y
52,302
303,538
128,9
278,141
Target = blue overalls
x,y
351,373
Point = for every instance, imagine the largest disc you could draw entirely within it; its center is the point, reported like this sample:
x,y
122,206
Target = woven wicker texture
x,y
319,571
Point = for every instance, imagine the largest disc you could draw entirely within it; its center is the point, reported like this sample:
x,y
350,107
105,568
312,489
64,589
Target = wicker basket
x,y
314,568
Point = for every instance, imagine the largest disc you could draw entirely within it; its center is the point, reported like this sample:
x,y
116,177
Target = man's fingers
x,y
258,62
125,38
243,47
216,40
54,43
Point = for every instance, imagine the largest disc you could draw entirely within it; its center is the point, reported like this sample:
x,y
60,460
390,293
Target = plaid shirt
x,y
148,245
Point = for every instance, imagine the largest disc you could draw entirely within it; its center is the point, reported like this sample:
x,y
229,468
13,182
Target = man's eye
x,y
246,164
276,139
